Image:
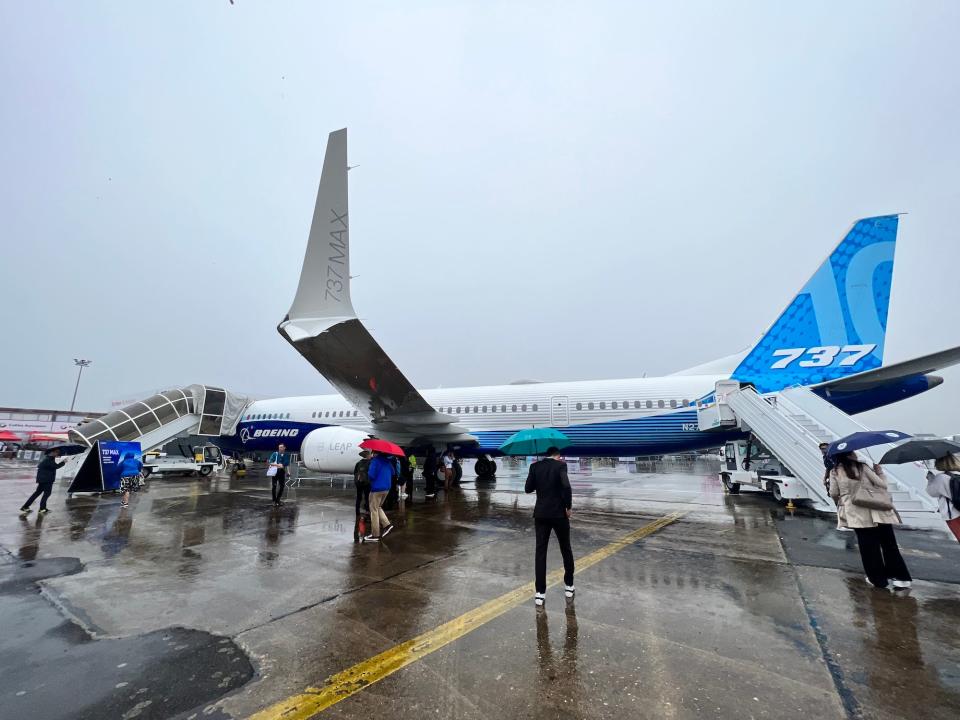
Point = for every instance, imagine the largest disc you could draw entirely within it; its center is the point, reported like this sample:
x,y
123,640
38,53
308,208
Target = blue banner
x,y
112,455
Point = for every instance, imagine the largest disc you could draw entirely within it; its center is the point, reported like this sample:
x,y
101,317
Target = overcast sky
x,y
644,184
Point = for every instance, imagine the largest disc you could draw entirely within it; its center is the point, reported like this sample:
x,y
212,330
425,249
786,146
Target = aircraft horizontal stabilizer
x,y
898,371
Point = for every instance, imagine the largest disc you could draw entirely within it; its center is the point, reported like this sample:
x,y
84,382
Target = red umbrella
x,y
382,446
48,437
7,436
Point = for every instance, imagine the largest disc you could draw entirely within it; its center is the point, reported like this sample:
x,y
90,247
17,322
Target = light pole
x,y
80,364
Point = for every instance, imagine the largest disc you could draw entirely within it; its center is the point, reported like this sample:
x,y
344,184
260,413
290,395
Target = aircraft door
x,y
559,411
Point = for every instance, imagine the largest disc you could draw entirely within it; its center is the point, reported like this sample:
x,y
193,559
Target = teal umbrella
x,y
534,441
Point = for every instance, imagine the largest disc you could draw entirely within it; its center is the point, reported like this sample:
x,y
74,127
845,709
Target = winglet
x,y
323,293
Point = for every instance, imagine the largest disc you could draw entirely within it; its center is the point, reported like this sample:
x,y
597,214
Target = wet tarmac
x,y
202,600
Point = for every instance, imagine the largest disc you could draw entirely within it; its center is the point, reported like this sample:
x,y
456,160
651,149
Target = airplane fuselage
x,y
603,418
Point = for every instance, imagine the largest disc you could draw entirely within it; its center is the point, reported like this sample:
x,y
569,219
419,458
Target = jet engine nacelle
x,y
332,449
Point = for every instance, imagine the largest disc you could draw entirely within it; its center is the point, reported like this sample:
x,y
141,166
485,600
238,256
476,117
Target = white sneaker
x,y
539,599
372,538
569,590
903,584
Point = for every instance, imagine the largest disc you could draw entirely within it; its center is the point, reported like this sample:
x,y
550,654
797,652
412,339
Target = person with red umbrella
x,y
380,472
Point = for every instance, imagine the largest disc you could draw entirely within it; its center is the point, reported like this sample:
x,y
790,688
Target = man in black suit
x,y
548,479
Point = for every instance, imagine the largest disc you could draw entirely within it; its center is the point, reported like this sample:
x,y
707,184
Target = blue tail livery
x,y
837,323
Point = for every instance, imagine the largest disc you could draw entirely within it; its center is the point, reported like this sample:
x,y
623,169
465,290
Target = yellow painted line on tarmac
x,y
352,680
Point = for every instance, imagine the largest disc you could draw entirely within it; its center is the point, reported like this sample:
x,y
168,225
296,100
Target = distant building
x,y
25,421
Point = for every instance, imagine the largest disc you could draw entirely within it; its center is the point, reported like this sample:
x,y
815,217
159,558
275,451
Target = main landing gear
x,y
485,468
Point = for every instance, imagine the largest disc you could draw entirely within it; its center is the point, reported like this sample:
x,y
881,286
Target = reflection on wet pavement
x,y
739,609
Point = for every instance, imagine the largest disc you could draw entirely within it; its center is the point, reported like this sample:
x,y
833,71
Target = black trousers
x,y
430,477
42,489
278,484
881,557
561,528
363,498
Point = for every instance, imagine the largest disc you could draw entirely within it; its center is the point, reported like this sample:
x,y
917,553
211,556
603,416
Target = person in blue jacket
x,y
380,472
131,473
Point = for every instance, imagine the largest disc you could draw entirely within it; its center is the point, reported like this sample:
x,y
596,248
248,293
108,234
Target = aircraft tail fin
x,y
837,323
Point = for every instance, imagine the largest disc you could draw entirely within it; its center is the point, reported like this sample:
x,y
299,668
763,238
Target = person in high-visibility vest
x,y
411,470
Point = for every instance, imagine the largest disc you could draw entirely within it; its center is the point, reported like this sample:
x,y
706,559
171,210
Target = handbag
x,y
868,495
272,471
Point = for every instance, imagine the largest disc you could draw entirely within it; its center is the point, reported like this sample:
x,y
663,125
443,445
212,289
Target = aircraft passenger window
x,y
356,414
649,404
534,407
484,408
686,402
493,408
458,410
341,413
523,408
613,405
603,406
660,403
636,404
513,408
503,408
449,410
475,408
626,404
673,403
288,416
590,406
579,406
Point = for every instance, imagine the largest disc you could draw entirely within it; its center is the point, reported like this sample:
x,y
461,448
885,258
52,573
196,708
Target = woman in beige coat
x,y
879,552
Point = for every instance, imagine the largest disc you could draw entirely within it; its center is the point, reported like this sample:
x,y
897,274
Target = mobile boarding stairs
x,y
192,410
781,453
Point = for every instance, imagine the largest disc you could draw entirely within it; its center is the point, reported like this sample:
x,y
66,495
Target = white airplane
x,y
830,337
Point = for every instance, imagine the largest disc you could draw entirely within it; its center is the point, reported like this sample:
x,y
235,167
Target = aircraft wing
x,y
323,326
908,368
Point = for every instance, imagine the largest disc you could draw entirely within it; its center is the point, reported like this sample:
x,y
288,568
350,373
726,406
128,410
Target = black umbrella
x,y
860,440
919,449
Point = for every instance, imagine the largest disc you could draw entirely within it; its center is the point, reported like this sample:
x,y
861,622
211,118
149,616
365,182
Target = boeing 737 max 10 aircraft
x,y
830,337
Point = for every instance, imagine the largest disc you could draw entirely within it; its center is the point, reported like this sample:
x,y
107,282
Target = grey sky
x,y
647,184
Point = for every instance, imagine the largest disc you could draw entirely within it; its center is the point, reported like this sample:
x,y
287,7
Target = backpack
x,y
360,475
955,490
